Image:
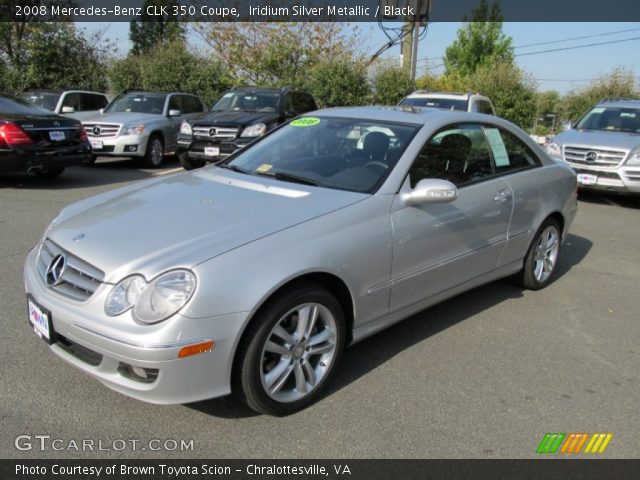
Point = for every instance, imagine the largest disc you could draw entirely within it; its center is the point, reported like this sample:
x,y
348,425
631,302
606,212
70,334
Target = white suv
x,y
467,102
78,104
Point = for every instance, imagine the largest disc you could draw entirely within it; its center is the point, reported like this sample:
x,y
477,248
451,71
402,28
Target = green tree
x,y
391,84
619,83
511,90
151,30
339,82
480,42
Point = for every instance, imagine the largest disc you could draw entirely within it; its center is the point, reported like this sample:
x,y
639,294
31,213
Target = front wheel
x,y
542,256
290,351
190,163
155,152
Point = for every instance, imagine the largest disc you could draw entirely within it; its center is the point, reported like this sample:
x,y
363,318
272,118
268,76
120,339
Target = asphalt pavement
x,y
483,375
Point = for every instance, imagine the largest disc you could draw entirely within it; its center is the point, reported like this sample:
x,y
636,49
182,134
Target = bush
x,y
391,84
339,82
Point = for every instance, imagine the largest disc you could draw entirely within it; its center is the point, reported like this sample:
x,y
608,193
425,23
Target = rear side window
x,y
509,152
91,101
20,107
305,103
72,100
192,105
484,107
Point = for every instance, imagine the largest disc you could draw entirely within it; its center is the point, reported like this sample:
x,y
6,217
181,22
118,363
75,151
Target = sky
x,y
561,70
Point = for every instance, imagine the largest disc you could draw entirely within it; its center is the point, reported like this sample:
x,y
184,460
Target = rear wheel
x,y
542,257
49,172
155,152
290,351
190,163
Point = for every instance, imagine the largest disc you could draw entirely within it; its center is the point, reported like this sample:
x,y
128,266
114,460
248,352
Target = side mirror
x,y
175,113
431,190
68,110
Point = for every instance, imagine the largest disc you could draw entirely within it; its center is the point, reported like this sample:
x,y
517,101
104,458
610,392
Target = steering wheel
x,y
374,165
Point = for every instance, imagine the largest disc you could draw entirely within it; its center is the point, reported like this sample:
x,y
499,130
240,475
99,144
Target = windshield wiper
x,y
287,177
234,168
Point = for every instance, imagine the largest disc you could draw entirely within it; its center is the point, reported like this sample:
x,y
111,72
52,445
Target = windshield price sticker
x,y
305,122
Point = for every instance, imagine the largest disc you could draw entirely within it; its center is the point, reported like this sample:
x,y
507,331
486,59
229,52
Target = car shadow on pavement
x,y
374,351
103,172
600,198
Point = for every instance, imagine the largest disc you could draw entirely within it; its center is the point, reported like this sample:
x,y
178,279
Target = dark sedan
x,y
35,140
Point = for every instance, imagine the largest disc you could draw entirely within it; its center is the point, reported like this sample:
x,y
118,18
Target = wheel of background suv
x,y
542,256
290,350
155,152
49,173
190,163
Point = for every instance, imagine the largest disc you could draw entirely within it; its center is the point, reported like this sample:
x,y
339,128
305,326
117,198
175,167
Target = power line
x,y
577,38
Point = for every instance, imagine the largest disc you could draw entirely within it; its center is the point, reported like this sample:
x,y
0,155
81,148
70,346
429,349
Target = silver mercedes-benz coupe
x,y
252,276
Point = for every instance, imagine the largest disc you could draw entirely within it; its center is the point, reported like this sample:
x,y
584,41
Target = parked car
x,y
141,125
78,104
603,147
252,276
238,118
467,102
36,140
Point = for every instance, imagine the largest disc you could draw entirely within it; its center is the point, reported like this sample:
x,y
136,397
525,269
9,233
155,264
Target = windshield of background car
x,y
248,102
613,119
341,153
446,103
137,103
18,106
46,100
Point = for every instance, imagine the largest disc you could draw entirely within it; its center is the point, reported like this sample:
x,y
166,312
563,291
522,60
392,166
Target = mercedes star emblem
x,y
96,130
591,157
55,270
212,132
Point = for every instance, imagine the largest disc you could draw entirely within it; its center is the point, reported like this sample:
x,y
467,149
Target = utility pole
x,y
416,37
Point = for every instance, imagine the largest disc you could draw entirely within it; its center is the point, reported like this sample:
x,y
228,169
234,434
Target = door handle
x,y
502,196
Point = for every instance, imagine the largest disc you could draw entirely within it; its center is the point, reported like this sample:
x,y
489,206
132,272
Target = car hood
x,y
596,138
123,117
232,118
185,219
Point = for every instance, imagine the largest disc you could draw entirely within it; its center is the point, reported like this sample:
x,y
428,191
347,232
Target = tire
x,y
542,257
93,160
49,173
154,155
279,371
190,163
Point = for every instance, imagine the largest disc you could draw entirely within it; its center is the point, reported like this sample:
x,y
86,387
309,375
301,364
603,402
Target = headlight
x,y
154,301
554,149
134,130
254,130
634,158
186,128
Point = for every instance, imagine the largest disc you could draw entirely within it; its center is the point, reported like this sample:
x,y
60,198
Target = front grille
x,y
78,279
219,133
80,352
102,130
604,158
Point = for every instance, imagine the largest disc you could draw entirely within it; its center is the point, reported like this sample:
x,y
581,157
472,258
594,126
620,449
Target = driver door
x,y
438,246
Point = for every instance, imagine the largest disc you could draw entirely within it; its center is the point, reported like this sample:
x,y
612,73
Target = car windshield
x,y
14,105
248,102
48,100
138,103
341,153
611,119
446,103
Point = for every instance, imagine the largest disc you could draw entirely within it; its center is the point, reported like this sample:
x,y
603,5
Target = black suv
x,y
238,118
37,140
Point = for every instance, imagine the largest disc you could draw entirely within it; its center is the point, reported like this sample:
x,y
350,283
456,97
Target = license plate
x,y
56,136
96,144
212,151
40,320
587,179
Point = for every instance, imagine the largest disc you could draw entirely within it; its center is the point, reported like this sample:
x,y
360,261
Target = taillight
x,y
83,134
11,134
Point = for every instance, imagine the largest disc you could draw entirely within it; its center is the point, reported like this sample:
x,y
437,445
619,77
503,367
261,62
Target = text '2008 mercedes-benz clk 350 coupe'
x,y
253,275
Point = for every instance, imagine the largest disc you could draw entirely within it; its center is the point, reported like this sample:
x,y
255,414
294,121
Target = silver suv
x,y
603,147
141,124
466,102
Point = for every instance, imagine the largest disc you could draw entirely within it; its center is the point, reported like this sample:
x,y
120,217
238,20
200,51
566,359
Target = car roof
x,y
54,90
403,114
424,94
623,102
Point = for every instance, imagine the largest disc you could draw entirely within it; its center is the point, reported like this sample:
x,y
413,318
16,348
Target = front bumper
x,y
625,180
196,148
20,160
99,346
121,146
